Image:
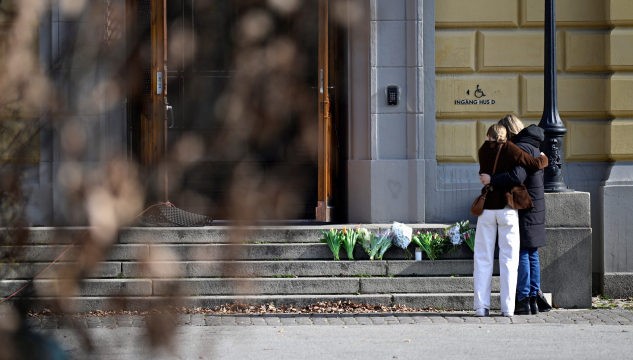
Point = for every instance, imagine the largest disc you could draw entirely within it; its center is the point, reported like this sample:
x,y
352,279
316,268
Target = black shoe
x,y
541,302
523,307
533,306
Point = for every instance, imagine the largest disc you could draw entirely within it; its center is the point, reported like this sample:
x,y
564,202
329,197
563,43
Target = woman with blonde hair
x,y
530,299
500,215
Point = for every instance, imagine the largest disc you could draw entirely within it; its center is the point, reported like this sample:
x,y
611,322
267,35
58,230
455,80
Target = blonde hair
x,y
513,124
497,132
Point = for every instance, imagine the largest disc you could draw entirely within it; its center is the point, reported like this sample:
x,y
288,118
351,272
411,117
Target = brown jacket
x,y
511,155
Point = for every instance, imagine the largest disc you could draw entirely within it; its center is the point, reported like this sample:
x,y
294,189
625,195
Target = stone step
x,y
41,253
422,285
214,252
434,268
188,269
245,286
89,287
458,301
209,234
255,268
57,270
200,252
137,303
305,286
462,301
254,286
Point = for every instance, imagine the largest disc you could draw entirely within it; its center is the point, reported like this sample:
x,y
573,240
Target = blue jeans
x,y
529,277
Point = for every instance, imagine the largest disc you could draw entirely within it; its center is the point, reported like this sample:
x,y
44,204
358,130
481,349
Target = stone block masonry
x,y
566,260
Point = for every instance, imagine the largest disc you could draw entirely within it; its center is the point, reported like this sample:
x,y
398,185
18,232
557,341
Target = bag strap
x,y
497,158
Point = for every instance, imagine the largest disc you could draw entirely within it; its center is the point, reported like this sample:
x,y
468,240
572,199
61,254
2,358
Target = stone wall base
x,y
617,285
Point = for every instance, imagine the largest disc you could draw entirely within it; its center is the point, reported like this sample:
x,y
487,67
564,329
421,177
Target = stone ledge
x,y
248,234
140,303
437,267
29,270
618,285
253,268
421,285
206,235
255,286
101,287
570,210
463,301
42,253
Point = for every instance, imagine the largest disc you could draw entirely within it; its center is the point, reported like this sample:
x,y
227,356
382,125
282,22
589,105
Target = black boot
x,y
541,302
523,307
533,306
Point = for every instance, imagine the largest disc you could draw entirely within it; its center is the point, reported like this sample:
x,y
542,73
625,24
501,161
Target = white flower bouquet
x,y
460,233
402,237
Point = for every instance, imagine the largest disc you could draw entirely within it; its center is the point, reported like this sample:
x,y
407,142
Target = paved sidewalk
x,y
560,317
435,341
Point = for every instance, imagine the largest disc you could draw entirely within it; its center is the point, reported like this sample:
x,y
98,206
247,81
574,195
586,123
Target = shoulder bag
x,y
478,206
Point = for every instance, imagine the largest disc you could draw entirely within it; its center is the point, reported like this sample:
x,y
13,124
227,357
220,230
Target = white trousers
x,y
506,222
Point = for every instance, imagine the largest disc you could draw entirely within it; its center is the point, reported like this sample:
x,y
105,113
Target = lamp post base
x,y
557,187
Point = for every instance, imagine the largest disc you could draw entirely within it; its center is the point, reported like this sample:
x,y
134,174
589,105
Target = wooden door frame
x,y
325,208
146,110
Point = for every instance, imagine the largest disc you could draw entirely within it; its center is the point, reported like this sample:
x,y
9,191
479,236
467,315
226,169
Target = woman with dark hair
x,y
530,299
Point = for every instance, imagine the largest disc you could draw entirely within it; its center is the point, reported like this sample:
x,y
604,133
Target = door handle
x,y
321,89
171,111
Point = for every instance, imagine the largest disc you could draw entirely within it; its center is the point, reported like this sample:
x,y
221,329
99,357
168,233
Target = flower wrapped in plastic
x,y
364,237
469,238
432,244
402,237
348,239
334,240
468,234
454,235
375,245
384,242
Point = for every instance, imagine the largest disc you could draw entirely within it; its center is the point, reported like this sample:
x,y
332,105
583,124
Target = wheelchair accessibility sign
x,y
478,94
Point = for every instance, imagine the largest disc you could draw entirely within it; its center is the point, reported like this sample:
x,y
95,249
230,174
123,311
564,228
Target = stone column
x,y
390,145
617,189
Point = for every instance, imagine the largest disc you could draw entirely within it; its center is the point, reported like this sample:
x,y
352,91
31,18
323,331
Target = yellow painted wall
x,y
496,47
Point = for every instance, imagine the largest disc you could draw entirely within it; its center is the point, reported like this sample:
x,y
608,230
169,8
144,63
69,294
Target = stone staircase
x,y
211,266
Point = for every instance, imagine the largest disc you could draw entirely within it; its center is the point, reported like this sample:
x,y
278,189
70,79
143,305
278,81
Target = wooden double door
x,y
241,101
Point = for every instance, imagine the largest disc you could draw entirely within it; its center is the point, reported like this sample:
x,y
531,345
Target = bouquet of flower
x,y
469,238
349,238
365,238
333,240
385,241
468,234
432,244
454,235
402,237
461,232
373,243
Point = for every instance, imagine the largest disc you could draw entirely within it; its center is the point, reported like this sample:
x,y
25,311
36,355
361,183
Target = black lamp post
x,y
551,123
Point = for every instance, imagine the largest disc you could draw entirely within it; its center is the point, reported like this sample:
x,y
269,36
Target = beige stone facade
x,y
498,46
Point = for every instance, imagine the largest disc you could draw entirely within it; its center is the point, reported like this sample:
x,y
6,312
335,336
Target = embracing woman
x,y
500,215
530,299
